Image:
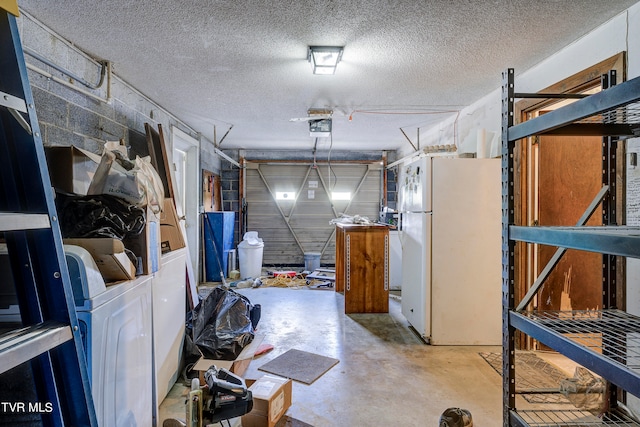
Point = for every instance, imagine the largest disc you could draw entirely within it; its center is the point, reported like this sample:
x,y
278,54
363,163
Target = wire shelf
x,y
629,114
611,112
573,418
612,333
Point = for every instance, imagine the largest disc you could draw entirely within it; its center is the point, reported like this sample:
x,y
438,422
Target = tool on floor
x,y
50,338
225,396
327,275
194,404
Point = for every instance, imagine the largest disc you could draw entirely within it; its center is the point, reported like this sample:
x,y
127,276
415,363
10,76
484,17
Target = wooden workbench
x,y
362,267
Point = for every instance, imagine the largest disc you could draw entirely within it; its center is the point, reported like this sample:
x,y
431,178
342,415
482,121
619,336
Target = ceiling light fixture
x,y
324,59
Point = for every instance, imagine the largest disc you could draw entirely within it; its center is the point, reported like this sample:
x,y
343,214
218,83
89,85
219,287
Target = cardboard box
x,y
146,245
271,399
71,169
171,237
109,255
238,366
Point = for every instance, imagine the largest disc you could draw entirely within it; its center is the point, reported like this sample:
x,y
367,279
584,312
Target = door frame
x,y
525,181
188,205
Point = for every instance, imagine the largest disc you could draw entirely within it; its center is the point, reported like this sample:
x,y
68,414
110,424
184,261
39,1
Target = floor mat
x,y
533,375
299,365
287,421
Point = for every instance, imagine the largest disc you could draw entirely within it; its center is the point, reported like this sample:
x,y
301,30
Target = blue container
x,y
218,229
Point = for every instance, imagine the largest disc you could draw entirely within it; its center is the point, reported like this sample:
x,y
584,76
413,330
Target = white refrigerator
x,y
451,249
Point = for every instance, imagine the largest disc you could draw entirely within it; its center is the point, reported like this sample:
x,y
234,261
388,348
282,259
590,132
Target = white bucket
x,y
250,255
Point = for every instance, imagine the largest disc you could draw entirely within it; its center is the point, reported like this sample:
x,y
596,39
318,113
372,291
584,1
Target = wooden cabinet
x,y
362,267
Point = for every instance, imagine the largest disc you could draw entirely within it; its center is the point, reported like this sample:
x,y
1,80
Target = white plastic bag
x,y
137,182
149,179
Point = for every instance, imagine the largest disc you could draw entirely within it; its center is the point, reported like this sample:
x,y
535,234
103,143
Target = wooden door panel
x,y
570,176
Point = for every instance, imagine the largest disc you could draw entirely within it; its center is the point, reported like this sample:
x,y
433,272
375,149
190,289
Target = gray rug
x,y
299,365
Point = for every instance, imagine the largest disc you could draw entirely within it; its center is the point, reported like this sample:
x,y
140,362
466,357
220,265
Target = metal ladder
x,y
50,337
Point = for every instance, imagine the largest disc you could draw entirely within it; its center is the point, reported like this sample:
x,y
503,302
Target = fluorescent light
x,y
324,59
285,195
341,195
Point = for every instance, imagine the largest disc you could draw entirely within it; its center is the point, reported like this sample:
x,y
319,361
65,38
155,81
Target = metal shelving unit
x,y
605,341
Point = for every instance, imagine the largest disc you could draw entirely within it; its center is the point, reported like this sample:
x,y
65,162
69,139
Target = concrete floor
x,y
386,375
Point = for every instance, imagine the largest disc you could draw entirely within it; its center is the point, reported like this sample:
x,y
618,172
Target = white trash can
x,y
250,255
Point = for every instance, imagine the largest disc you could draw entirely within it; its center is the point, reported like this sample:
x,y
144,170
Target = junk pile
x,y
223,323
285,279
99,215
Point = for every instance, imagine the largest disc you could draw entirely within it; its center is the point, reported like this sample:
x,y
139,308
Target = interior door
x,y
570,175
186,164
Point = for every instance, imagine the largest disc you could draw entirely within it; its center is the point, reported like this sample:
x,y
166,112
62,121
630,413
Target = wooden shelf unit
x,y
362,267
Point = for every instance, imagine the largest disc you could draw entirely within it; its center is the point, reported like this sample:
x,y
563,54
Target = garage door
x,y
290,207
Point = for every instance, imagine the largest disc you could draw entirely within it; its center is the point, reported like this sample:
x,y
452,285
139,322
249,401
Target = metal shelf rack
x,y
605,341
571,418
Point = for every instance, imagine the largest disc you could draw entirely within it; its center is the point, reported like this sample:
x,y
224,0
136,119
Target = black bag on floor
x,y
223,324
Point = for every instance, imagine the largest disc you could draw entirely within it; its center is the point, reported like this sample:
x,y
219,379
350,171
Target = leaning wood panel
x,y
159,157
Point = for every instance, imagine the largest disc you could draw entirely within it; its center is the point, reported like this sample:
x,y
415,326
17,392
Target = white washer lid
x,y
88,281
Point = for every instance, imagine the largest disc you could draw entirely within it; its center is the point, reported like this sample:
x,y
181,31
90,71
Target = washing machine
x,y
116,324
115,321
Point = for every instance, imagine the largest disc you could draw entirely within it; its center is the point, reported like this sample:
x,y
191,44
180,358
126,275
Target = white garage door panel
x,y
310,214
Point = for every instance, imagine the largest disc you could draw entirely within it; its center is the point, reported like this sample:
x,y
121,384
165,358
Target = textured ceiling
x,y
243,63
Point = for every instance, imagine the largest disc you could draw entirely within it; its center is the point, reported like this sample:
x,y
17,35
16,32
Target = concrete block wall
x,y
87,117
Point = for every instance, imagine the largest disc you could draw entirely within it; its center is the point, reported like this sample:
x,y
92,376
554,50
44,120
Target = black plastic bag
x,y
223,324
99,215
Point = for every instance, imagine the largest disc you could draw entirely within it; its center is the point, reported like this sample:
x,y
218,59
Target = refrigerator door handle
x,y
399,221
